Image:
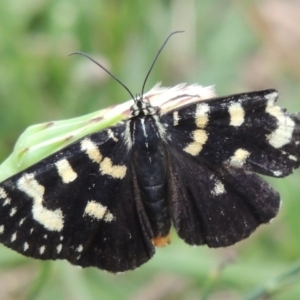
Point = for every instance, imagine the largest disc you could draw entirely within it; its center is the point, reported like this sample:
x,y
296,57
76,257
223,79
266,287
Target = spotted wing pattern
x,y
214,148
84,203
80,204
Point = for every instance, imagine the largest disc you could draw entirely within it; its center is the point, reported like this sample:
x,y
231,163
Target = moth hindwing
x,y
110,197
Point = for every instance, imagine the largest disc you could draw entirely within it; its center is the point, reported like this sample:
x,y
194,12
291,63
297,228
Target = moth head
x,y
142,107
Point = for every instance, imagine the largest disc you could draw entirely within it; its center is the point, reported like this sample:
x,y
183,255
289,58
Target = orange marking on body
x,y
161,241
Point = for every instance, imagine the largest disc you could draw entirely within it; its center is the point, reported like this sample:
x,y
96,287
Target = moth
x,y
109,198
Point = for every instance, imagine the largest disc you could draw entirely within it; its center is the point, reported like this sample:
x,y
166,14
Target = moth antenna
x,y
103,68
119,81
152,65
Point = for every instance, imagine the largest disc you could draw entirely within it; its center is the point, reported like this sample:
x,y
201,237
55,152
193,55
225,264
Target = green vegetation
x,y
236,47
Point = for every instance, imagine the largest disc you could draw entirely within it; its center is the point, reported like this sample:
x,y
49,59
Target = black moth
x,y
109,198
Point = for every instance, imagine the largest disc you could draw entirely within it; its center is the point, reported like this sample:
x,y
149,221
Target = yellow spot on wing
x,y
91,149
105,163
51,219
237,114
65,171
98,211
239,158
115,171
202,111
200,137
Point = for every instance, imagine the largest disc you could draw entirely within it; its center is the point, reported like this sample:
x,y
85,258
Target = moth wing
x,y
80,204
217,206
244,130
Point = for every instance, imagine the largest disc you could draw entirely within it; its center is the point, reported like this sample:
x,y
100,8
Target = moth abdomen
x,y
151,170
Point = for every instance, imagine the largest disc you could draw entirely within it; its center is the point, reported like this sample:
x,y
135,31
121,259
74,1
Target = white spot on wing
x,y
282,135
51,220
1,229
3,194
98,211
58,248
277,173
239,158
271,98
25,246
13,211
13,237
292,157
21,221
7,201
42,249
237,114
79,248
65,171
218,188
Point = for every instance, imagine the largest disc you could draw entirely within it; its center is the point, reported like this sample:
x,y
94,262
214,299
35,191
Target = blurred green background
x,y
237,46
